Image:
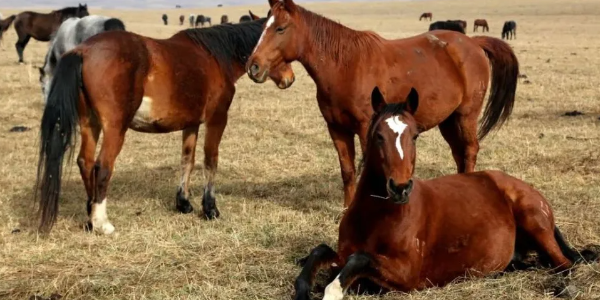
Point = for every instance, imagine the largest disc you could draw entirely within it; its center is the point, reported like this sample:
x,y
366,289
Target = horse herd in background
x,y
393,224
200,20
509,29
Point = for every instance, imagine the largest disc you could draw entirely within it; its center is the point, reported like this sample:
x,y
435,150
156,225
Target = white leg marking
x,y
100,219
143,116
269,23
398,127
334,290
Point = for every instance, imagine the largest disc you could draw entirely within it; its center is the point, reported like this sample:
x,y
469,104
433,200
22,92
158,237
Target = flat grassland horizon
x,y
279,184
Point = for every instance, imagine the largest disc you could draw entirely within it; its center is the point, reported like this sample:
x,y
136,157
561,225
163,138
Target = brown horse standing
x,y
405,234
224,19
426,15
181,20
481,22
120,80
450,70
30,24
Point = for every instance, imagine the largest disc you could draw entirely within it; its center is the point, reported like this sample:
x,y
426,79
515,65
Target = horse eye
x,y
280,29
379,138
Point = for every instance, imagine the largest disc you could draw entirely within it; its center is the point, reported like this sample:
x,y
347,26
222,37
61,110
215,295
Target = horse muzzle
x,y
399,193
256,74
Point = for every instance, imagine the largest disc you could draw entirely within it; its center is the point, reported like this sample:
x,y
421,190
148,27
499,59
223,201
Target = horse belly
x,y
151,117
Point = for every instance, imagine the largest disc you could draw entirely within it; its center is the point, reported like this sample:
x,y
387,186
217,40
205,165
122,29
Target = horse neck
x,y
341,46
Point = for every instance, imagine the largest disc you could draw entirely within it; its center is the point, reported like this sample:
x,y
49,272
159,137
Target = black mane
x,y
229,43
68,12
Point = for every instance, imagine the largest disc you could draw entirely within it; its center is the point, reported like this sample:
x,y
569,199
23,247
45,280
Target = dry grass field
x,y
279,187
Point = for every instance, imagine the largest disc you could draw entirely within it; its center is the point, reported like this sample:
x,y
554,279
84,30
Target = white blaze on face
x,y
398,127
270,22
334,290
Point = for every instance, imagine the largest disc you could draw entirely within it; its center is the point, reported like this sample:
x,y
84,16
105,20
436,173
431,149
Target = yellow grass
x,y
279,188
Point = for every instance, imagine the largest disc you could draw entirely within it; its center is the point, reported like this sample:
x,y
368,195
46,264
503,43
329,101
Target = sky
x,y
138,3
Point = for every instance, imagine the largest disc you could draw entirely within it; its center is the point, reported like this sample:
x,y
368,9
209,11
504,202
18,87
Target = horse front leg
x,y
214,132
319,258
343,141
188,159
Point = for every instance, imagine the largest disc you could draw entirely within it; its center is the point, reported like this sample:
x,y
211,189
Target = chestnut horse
x,y
30,24
406,234
481,22
426,15
119,80
450,69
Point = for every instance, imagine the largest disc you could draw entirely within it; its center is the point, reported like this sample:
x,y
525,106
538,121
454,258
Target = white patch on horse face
x,y
99,218
270,22
398,127
334,290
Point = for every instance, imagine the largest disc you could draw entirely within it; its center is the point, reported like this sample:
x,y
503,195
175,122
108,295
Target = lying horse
x,y
71,33
120,80
446,25
509,30
405,234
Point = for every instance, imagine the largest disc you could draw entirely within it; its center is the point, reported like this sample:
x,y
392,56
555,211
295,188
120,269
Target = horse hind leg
x,y
90,132
20,46
114,137
460,132
188,155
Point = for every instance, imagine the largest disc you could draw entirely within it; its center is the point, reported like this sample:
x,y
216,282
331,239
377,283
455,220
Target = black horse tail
x,y
57,135
114,24
573,255
505,71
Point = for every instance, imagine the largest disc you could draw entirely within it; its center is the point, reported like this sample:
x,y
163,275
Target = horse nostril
x,y
254,69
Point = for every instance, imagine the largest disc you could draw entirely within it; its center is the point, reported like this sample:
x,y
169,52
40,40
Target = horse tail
x,y
114,24
57,135
572,254
7,22
505,70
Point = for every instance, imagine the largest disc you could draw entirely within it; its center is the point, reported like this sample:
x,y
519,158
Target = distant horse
x,y
119,80
5,24
71,33
249,17
480,22
201,19
509,30
181,20
192,20
426,15
30,24
165,19
407,234
462,23
224,19
445,25
345,78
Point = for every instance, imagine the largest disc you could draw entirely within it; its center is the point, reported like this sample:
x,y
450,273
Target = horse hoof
x,y
107,228
211,214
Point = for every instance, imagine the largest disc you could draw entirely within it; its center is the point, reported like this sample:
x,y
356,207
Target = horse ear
x,y
377,100
272,2
289,5
412,101
41,71
253,16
